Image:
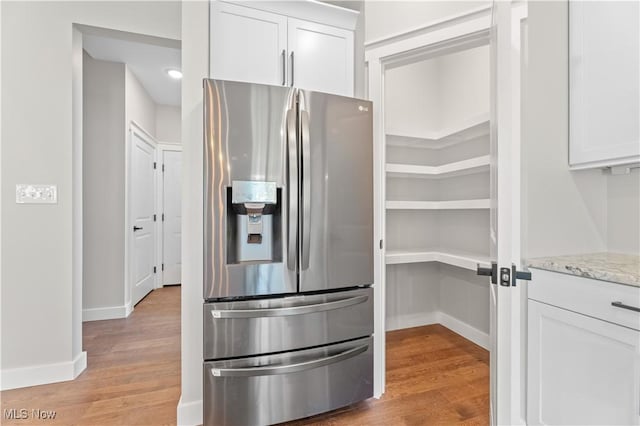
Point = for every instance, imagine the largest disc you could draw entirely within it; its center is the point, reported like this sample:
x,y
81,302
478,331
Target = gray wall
x,y
168,124
41,283
103,183
140,107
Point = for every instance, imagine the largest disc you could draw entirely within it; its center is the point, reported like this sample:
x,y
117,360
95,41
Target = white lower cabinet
x,y
581,370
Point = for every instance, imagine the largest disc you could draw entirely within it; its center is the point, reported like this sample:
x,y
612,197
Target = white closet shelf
x,y
439,205
469,129
450,257
459,168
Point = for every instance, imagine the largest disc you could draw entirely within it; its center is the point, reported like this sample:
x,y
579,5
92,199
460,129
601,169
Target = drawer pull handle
x,y
293,310
288,369
623,306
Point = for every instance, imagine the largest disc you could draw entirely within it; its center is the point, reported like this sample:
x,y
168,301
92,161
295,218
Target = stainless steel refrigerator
x,y
288,253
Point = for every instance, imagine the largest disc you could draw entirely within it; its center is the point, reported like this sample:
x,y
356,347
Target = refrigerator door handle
x,y
293,310
306,189
292,190
288,369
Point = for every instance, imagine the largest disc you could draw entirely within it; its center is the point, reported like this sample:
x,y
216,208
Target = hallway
x,y
132,376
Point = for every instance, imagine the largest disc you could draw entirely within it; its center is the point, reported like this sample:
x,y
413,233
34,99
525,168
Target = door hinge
x,y
154,165
163,266
154,269
154,218
163,217
381,244
163,168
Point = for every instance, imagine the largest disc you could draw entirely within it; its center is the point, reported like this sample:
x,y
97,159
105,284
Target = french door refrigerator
x,y
288,253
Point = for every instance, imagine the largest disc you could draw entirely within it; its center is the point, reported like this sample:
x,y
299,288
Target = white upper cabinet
x,y
321,57
248,44
299,43
604,83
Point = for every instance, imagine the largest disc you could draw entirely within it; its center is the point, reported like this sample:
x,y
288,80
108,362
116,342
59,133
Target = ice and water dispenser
x,y
254,222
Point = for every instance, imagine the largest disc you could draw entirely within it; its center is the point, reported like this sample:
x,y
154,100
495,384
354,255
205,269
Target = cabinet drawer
x,y
253,327
286,386
587,296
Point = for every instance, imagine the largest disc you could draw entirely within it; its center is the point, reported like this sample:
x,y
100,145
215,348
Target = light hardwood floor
x,y
434,376
132,375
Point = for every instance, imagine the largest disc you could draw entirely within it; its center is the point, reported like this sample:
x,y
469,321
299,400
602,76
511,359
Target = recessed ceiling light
x,y
173,73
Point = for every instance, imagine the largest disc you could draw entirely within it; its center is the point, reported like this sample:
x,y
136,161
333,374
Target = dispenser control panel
x,y
244,191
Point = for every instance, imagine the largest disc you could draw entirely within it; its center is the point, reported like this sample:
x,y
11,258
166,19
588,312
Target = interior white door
x,y
142,193
320,57
506,346
172,216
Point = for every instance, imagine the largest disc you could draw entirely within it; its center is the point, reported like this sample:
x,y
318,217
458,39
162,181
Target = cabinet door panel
x,y
247,44
323,57
604,84
581,370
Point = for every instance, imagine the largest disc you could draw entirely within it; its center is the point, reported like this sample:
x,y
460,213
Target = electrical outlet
x,y
36,194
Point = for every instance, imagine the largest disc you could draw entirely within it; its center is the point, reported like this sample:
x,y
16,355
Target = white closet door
x,y
320,57
248,44
506,322
143,226
172,210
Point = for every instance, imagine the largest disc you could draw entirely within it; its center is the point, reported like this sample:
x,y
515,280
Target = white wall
x,y
41,290
386,18
140,107
623,213
168,124
565,212
103,184
195,65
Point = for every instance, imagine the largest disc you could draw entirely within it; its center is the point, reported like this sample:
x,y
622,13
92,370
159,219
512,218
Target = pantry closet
x,y
432,167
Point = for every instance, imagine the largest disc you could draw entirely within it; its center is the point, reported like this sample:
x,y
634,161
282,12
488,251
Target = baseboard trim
x,y
128,309
467,331
478,337
189,413
412,320
109,312
43,374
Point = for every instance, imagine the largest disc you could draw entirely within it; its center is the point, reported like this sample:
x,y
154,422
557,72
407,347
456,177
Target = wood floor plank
x,y
434,377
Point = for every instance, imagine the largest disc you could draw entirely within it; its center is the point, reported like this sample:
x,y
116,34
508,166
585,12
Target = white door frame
x,y
449,33
138,130
161,148
511,323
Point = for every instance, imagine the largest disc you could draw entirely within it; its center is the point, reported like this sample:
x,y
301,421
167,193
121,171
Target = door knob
x,y
137,228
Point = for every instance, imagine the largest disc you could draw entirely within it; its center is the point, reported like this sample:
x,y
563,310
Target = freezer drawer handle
x,y
288,369
293,310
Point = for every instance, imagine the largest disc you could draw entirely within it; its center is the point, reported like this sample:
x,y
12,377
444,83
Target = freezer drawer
x,y
276,388
254,327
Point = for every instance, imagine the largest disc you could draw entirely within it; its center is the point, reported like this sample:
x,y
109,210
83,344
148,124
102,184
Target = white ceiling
x,y
148,62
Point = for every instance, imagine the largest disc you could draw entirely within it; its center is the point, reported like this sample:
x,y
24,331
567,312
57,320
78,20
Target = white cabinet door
x,y
320,57
581,370
604,83
247,44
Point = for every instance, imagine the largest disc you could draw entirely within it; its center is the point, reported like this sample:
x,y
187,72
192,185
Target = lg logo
x,y
363,108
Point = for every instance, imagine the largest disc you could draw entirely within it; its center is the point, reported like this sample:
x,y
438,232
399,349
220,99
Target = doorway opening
x,y
131,170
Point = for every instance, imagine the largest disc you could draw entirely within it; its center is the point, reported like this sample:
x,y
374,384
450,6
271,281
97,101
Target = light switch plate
x,y
36,194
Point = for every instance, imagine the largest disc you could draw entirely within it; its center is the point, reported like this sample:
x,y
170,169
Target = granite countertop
x,y
614,267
